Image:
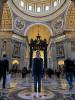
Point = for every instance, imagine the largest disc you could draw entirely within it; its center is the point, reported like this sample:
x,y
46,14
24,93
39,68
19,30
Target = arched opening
x,y
38,36
43,31
15,66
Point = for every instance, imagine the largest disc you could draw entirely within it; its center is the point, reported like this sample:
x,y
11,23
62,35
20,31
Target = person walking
x,y
5,69
68,68
37,72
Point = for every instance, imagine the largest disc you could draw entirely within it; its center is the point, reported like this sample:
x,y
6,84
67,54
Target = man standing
x,y
5,69
37,72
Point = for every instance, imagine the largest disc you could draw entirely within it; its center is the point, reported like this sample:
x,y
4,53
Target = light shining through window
x,y
55,3
22,4
30,8
47,8
38,9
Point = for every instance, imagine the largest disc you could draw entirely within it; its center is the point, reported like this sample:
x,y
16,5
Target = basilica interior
x,y
30,25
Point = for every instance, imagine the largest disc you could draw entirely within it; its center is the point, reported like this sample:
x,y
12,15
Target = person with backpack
x,y
68,69
37,72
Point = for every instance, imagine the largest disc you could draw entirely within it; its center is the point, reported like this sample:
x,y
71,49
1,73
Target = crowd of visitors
x,y
38,71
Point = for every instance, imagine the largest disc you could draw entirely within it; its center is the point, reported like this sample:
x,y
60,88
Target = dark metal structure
x,y
38,44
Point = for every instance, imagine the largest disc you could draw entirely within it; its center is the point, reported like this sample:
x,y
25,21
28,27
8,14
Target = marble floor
x,y
22,89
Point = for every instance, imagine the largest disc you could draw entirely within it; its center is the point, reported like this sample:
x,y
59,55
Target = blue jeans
x,y
69,78
37,79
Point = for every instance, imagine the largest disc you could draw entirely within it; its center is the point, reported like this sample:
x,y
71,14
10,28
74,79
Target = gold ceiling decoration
x,y
43,31
38,10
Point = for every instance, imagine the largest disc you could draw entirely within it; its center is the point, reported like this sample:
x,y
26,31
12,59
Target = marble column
x,y
53,55
31,53
67,47
45,58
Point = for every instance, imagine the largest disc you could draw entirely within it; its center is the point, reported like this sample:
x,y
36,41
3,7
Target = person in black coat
x,y
24,72
0,69
5,69
37,72
68,69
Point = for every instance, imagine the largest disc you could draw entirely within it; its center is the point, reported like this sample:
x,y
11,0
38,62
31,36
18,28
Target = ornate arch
x,y
34,31
38,24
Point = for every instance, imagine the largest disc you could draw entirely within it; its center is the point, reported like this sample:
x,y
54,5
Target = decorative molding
x,y
42,18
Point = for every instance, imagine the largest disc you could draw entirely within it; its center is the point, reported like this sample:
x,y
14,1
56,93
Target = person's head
x,y
4,56
38,54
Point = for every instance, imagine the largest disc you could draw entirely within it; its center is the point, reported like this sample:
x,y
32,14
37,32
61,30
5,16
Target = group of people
x,y
37,71
4,69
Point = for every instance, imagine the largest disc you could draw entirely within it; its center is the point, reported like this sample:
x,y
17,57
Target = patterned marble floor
x,y
52,89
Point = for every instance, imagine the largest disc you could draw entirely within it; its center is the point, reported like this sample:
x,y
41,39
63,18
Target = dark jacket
x,y
68,65
5,66
37,66
0,69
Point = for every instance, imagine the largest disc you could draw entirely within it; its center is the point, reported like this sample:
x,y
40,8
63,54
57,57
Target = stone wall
x,y
15,47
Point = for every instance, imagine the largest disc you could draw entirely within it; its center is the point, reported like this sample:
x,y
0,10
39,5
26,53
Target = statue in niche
x,y
16,51
60,49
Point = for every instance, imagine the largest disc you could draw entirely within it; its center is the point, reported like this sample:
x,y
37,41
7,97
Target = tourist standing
x,y
37,72
5,69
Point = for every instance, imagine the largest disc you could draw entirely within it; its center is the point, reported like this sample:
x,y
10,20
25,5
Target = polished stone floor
x,y
22,89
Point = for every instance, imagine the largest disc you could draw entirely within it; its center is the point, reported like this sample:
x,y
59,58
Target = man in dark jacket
x,y
5,69
0,69
37,71
68,68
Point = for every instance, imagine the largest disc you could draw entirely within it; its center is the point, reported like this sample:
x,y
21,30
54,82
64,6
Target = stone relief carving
x,y
19,23
57,25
